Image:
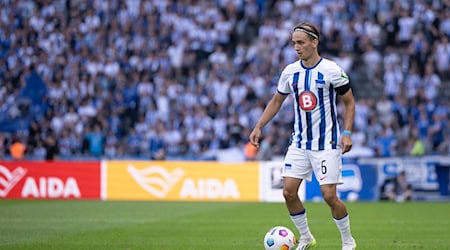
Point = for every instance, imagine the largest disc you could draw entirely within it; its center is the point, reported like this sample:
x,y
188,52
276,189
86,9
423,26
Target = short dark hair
x,y
309,29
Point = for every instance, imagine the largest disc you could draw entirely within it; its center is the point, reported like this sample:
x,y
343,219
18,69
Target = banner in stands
x,y
364,177
420,171
360,183
272,182
181,181
50,180
210,180
426,174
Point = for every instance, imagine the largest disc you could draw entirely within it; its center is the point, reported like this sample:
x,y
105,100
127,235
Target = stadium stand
x,y
170,79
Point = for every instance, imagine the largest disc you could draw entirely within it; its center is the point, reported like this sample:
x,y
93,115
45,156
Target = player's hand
x,y
254,137
346,143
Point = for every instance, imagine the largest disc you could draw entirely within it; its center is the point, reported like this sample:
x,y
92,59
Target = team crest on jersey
x,y
320,83
307,100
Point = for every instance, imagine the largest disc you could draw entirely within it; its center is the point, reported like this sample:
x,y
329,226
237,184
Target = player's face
x,y
303,44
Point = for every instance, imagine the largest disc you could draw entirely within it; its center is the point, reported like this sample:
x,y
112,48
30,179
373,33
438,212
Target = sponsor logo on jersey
x,y
307,100
320,83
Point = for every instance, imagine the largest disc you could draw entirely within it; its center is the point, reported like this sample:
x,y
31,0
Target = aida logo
x,y
160,182
344,75
156,180
9,179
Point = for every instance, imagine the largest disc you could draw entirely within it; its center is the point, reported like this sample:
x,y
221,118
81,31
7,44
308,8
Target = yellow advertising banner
x,y
181,181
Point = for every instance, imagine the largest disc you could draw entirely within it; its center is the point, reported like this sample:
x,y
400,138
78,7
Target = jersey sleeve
x,y
283,83
338,77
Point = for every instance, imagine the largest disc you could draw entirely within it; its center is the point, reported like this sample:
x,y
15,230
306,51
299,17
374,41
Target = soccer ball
x,y
279,238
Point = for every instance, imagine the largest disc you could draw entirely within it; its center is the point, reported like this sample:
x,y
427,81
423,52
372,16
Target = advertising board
x,y
181,181
49,180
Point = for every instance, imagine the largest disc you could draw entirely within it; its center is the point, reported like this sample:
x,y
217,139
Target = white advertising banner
x,y
272,183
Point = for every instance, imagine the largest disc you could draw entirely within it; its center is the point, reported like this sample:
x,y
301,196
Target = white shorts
x,y
326,164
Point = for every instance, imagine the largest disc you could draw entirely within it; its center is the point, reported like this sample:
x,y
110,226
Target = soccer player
x,y
316,143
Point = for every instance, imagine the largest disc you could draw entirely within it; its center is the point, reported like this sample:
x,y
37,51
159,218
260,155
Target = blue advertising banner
x,y
426,174
420,171
365,178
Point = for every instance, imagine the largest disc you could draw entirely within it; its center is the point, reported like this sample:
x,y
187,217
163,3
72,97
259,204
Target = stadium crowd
x,y
184,78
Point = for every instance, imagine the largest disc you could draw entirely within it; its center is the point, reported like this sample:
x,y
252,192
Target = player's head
x,y
305,38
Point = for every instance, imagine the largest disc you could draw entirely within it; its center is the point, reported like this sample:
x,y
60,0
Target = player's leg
x,y
340,215
290,193
327,165
297,168
337,207
297,212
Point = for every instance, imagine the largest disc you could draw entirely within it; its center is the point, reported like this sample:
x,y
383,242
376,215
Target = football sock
x,y
301,223
344,227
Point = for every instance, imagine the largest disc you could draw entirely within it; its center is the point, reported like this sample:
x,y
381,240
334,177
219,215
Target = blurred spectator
x,y
396,189
3,142
157,147
386,142
94,141
431,82
393,80
39,152
372,59
265,150
51,148
188,77
436,132
250,152
413,82
384,110
17,150
442,57
417,147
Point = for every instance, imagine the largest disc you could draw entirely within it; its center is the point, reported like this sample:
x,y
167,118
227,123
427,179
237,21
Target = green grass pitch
x,y
43,224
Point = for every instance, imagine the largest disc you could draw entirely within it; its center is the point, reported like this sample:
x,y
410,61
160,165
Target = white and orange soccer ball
x,y
279,238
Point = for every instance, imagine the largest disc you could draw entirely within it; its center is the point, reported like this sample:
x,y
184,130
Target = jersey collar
x,y
303,66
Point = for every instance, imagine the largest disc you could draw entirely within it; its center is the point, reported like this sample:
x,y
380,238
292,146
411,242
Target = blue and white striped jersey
x,y
316,125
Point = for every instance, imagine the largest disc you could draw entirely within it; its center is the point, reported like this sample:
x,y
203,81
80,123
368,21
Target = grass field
x,y
192,225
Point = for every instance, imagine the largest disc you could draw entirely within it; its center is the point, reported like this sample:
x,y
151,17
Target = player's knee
x,y
289,195
330,198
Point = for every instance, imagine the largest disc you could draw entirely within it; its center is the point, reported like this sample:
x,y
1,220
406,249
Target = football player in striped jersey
x,y
317,143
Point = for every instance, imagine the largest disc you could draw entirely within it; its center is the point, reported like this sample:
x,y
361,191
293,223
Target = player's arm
x,y
346,95
270,111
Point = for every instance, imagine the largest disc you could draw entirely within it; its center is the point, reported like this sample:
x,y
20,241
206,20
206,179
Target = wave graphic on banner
x,y
9,179
156,180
